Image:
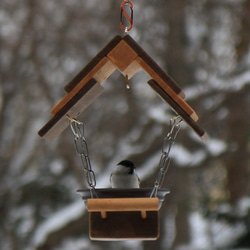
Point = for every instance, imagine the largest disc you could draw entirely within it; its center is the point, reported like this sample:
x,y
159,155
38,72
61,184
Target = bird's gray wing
x,y
110,177
139,180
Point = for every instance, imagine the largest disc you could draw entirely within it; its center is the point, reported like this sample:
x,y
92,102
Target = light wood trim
x,y
100,71
179,100
122,55
123,204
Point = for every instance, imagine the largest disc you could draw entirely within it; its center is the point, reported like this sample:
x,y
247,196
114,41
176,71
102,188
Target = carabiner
x,y
126,19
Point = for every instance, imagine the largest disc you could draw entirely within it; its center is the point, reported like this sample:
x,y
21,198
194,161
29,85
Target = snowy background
x,y
203,44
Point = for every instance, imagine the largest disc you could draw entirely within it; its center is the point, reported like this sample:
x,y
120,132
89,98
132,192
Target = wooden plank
x,y
153,65
92,63
122,55
123,204
178,100
102,70
82,99
132,69
124,226
126,55
197,129
104,73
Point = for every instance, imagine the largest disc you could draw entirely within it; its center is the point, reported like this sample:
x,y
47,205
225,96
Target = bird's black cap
x,y
127,163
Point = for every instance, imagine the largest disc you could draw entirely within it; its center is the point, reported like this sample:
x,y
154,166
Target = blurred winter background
x,y
203,44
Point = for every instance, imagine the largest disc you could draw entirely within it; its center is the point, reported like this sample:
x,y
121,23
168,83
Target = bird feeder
x,y
119,214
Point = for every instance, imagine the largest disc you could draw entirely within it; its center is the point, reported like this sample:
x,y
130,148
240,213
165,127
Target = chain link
x,y
81,147
166,148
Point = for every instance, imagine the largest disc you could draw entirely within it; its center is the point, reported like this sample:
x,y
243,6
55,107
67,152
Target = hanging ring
x,y
176,121
176,117
75,126
126,17
73,119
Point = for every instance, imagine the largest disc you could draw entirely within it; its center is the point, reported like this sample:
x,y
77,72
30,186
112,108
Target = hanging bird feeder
x,y
119,214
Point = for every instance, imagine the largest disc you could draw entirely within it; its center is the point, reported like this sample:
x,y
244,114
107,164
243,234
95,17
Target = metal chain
x,y
81,147
166,148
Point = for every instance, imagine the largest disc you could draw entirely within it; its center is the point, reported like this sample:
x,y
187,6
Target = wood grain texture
x,y
123,204
167,89
132,69
92,63
124,226
122,55
158,70
104,66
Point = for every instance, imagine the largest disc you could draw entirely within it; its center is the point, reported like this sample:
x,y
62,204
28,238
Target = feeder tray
x,y
120,214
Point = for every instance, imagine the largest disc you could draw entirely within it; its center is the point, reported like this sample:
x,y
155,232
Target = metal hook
x,y
174,121
127,82
174,127
73,119
75,126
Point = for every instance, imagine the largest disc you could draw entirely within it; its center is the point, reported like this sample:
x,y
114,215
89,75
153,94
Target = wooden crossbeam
x,y
153,65
198,130
82,99
100,72
82,74
167,89
123,204
128,57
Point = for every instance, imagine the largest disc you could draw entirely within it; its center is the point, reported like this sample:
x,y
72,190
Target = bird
x,y
124,176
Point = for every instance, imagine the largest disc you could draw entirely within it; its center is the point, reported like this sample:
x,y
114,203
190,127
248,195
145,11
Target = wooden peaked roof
x,y
124,54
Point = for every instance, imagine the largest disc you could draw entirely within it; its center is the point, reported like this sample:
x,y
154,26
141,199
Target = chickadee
x,y
124,176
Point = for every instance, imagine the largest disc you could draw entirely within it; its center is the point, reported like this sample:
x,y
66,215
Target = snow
x,y
158,114
169,228
25,216
217,83
76,244
132,244
225,234
243,206
185,158
57,166
30,140
209,234
216,147
223,113
148,166
57,221
199,229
